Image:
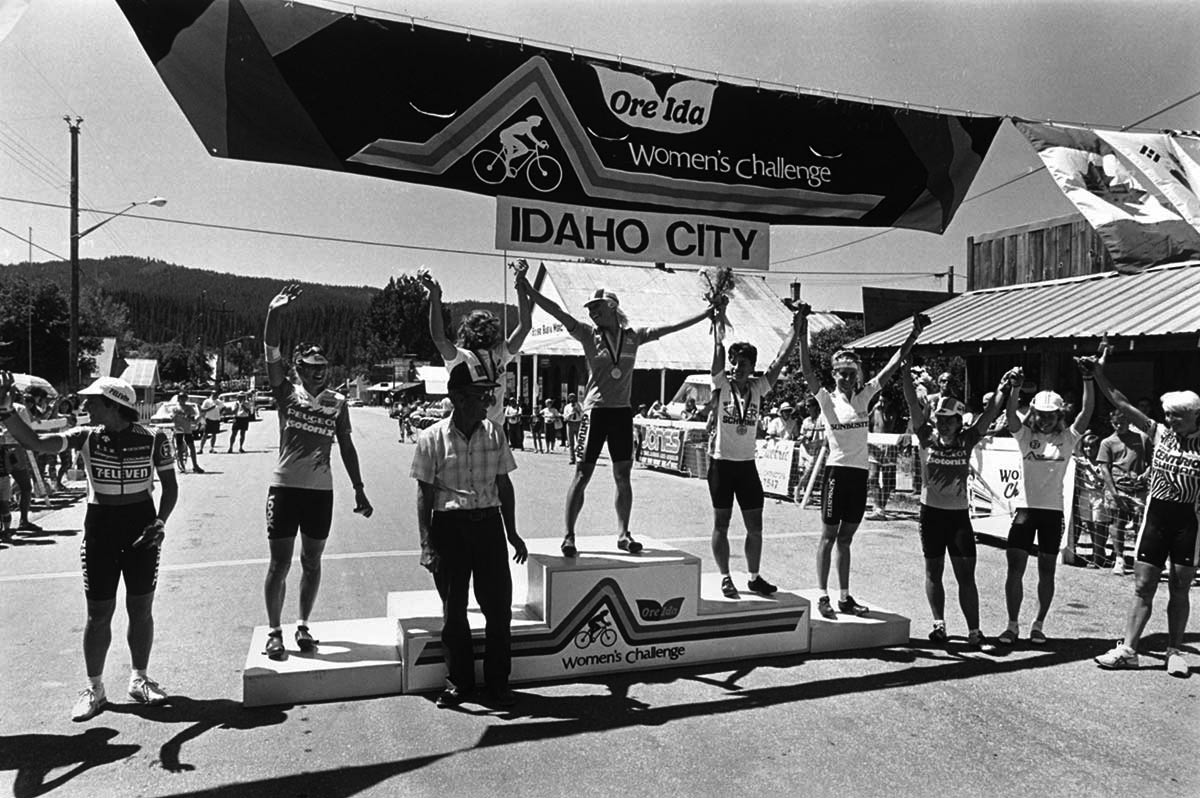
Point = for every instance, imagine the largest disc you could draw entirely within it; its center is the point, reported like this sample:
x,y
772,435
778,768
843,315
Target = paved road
x,y
915,720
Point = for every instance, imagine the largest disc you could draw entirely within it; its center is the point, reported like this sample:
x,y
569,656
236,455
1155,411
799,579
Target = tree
x,y
37,312
397,322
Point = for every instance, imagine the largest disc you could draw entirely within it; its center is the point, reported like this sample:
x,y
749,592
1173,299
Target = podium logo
x,y
651,610
599,629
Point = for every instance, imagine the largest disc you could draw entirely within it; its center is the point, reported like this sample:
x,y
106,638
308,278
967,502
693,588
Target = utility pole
x,y
29,308
73,346
950,280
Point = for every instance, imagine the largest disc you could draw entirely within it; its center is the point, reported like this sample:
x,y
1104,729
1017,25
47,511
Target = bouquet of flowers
x,y
519,267
719,284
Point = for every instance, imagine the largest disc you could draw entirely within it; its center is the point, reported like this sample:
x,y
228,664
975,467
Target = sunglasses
x,y
847,373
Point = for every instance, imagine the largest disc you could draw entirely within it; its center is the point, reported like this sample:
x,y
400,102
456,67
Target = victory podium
x,y
603,611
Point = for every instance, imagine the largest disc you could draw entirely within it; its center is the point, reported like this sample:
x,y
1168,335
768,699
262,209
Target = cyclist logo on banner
x,y
520,154
599,629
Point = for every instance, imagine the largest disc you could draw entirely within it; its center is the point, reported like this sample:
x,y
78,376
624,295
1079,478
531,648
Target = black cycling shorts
x,y
730,478
304,509
945,531
600,424
211,427
107,552
1047,525
1168,530
843,495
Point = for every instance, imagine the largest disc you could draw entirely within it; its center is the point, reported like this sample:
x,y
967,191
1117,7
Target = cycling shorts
x,y
1168,530
107,552
945,531
843,495
211,427
304,509
735,478
600,424
1046,525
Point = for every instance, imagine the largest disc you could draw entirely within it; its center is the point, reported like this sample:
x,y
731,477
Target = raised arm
x,y
437,325
548,305
1118,400
810,374
1087,366
1008,385
654,333
718,361
516,338
915,411
919,323
1010,407
276,373
785,349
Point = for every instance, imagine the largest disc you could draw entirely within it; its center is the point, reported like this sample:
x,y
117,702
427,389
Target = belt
x,y
478,514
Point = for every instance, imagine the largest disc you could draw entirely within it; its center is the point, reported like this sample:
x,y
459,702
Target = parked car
x,y
354,402
264,399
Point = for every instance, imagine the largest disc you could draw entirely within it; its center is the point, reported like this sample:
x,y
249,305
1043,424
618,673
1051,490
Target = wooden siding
x,y
1048,250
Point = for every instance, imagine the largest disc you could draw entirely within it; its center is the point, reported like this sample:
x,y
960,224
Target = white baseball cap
x,y
113,388
1047,402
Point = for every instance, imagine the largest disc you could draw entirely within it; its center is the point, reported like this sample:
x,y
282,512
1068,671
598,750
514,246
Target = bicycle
x,y
598,628
493,168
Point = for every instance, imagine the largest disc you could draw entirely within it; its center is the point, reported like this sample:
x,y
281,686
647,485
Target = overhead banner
x,y
291,83
1135,189
532,226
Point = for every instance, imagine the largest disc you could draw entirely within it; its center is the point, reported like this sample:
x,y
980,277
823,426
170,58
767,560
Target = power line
x,y
25,240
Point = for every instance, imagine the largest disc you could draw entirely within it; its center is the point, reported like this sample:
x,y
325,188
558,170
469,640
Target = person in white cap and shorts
x,y
300,499
122,531
610,346
1046,444
945,448
844,483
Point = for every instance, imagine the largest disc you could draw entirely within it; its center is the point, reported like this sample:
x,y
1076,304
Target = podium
x,y
603,611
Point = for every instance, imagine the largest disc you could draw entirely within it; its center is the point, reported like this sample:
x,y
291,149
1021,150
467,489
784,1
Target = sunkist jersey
x,y
308,426
120,463
846,425
603,388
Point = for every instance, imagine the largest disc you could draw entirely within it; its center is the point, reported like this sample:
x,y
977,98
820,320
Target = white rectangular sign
x,y
531,226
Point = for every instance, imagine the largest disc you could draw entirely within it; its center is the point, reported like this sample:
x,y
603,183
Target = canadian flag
x,y
1138,190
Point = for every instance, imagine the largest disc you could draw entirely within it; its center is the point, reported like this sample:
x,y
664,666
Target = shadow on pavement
x,y
331,783
46,537
33,756
589,714
204,716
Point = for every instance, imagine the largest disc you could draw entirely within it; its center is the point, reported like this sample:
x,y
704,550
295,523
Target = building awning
x,y
384,387
1157,302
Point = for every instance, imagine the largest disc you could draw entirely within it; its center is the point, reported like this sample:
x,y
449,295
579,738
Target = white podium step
x,y
878,629
601,612
355,658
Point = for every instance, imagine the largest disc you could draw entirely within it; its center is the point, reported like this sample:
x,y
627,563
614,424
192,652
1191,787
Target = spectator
x,y
210,409
573,415
1124,462
185,416
784,427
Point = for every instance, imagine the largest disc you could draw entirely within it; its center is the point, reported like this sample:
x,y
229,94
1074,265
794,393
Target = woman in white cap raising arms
x,y
1046,444
610,346
122,531
311,418
844,487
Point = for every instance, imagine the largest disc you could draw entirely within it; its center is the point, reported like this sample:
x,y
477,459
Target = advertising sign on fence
x,y
776,461
662,447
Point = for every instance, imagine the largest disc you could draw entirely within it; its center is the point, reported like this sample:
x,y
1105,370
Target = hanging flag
x,y
1133,188
291,83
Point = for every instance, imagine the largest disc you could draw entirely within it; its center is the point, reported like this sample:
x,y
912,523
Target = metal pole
x,y
73,345
29,308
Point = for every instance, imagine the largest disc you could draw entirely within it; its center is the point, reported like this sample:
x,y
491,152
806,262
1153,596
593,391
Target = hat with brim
x,y
1047,402
602,295
114,389
949,406
786,407
464,377
311,355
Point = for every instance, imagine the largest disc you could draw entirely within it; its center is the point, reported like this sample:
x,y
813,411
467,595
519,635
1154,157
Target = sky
x,y
1101,63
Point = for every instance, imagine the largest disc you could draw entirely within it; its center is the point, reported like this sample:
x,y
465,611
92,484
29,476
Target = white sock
x,y
134,674
844,593
302,622
939,625
754,576
96,682
724,574
276,630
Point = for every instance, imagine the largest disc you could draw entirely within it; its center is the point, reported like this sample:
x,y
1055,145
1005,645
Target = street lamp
x,y
73,349
221,358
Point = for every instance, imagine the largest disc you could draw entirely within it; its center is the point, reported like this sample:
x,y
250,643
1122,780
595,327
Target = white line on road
x,y
356,555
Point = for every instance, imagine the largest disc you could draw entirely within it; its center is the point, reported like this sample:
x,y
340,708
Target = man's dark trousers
x,y
471,544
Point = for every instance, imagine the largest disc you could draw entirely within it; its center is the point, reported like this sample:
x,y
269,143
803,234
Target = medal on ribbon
x,y
614,356
741,404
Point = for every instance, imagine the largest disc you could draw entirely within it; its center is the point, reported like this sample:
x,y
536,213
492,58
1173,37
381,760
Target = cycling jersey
x,y
610,364
1175,466
120,463
307,428
846,424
